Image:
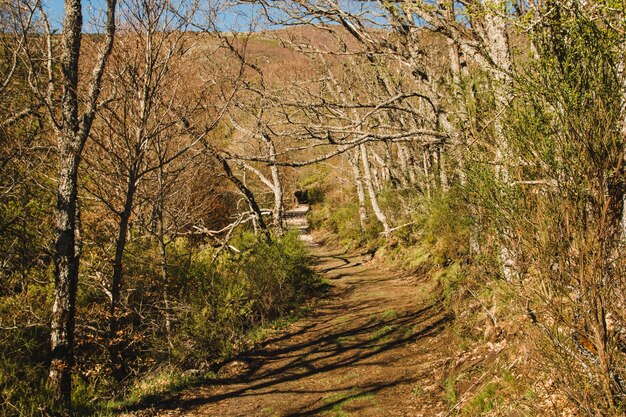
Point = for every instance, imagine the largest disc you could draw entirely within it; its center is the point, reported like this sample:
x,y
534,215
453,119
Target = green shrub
x,y
238,292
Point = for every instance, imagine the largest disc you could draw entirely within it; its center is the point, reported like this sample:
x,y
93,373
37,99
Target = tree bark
x,y
66,280
277,187
115,347
247,194
353,158
497,37
65,260
621,70
442,175
370,189
73,134
163,253
405,170
278,200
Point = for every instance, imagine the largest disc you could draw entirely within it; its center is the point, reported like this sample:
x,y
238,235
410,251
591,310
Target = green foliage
x,y
445,226
338,214
240,291
558,212
159,382
336,402
315,194
449,386
450,279
344,221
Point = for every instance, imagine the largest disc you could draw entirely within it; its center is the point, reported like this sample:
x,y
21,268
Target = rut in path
x,y
368,348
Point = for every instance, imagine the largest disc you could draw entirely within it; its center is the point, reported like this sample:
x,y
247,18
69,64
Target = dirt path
x,y
369,348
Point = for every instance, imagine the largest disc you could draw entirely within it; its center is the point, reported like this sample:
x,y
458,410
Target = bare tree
x,y
152,50
74,125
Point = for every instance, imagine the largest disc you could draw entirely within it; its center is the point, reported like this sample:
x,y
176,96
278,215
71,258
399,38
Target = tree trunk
x,y
115,344
277,187
497,39
163,254
443,176
426,169
454,54
164,278
247,194
65,260
498,48
66,278
278,200
370,189
73,134
353,158
622,74
403,160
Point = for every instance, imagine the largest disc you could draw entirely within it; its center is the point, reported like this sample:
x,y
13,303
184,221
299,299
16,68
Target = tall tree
x,y
74,126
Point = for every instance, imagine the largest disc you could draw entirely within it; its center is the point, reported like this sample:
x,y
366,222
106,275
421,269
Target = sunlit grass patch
x,y
158,384
336,402
389,314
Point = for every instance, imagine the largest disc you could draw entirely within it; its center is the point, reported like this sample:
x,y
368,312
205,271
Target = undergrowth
x,y
218,308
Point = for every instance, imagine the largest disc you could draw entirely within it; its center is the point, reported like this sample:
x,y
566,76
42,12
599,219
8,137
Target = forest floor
x,y
372,345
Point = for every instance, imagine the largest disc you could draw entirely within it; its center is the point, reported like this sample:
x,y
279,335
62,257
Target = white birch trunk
x,y
370,189
497,42
277,187
405,178
353,158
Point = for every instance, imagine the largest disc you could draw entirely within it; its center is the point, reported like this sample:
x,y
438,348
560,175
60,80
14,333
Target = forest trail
x,y
369,347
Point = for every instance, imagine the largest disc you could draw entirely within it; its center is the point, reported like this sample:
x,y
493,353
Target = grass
x,y
427,292
350,376
390,314
449,387
484,401
530,395
344,318
372,319
381,337
408,330
381,333
418,390
345,339
268,410
336,402
167,381
261,333
155,386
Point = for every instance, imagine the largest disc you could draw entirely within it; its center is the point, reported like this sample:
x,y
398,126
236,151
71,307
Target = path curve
x,y
370,347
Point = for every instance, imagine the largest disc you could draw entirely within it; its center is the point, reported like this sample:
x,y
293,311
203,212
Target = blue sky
x,y
236,18
54,9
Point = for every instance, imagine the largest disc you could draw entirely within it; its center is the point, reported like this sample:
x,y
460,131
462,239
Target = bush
x,y
225,299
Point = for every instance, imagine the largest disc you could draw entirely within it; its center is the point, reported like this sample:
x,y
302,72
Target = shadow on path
x,y
358,352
